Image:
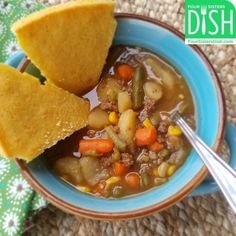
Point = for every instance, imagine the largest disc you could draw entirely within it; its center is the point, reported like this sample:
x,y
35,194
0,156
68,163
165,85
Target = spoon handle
x,y
223,174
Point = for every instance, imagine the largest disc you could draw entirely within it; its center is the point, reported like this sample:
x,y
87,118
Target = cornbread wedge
x,y
33,116
69,42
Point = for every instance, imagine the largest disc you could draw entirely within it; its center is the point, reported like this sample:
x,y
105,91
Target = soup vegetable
x,y
130,144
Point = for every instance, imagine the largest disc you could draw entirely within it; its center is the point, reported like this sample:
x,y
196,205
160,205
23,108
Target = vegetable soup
x,y
130,144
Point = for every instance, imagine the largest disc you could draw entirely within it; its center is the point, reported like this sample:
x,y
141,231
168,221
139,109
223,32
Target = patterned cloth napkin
x,y
18,201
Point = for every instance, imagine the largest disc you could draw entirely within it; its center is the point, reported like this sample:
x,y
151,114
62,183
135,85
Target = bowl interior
x,y
131,31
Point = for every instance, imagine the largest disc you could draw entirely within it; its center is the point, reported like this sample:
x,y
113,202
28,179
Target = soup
x,y
130,144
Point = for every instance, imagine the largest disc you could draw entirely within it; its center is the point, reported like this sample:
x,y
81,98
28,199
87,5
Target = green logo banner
x,y
210,21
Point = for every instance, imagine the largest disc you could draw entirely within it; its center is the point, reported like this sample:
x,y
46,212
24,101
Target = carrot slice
x,y
119,168
98,145
133,180
156,147
125,72
145,136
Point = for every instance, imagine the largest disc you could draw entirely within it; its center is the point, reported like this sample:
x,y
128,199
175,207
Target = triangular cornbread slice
x,y
69,42
33,116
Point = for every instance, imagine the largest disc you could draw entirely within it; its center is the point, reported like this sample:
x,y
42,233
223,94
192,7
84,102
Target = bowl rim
x,y
188,188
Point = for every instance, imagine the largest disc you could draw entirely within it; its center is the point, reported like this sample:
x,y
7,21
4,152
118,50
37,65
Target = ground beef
x,y
145,152
174,143
109,106
129,89
163,127
160,139
177,158
149,107
96,133
106,161
126,86
132,149
143,115
102,134
144,168
91,133
127,159
149,104
139,125
154,162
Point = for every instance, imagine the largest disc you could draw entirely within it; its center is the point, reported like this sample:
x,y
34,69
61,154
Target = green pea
x,y
155,118
164,153
144,158
162,169
145,179
158,181
117,191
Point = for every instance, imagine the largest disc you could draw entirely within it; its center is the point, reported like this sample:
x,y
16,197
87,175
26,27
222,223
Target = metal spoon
x,y
223,174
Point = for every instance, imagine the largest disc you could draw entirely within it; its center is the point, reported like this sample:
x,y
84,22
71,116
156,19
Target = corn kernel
x,y
174,130
155,171
83,189
113,180
147,123
171,170
113,118
181,96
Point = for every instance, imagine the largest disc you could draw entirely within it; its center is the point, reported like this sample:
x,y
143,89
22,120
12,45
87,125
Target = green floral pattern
x,y
10,11
18,201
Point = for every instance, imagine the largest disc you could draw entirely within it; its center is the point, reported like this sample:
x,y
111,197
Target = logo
x,y
210,21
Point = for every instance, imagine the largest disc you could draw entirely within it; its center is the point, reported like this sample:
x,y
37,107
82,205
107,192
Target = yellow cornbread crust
x,y
34,117
69,42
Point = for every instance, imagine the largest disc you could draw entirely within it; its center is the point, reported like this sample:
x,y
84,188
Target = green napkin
x,y
18,201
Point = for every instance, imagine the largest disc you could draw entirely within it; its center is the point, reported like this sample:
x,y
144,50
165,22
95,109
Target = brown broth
x,y
172,99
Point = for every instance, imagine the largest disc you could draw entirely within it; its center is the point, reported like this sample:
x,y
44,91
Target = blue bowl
x,y
205,87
